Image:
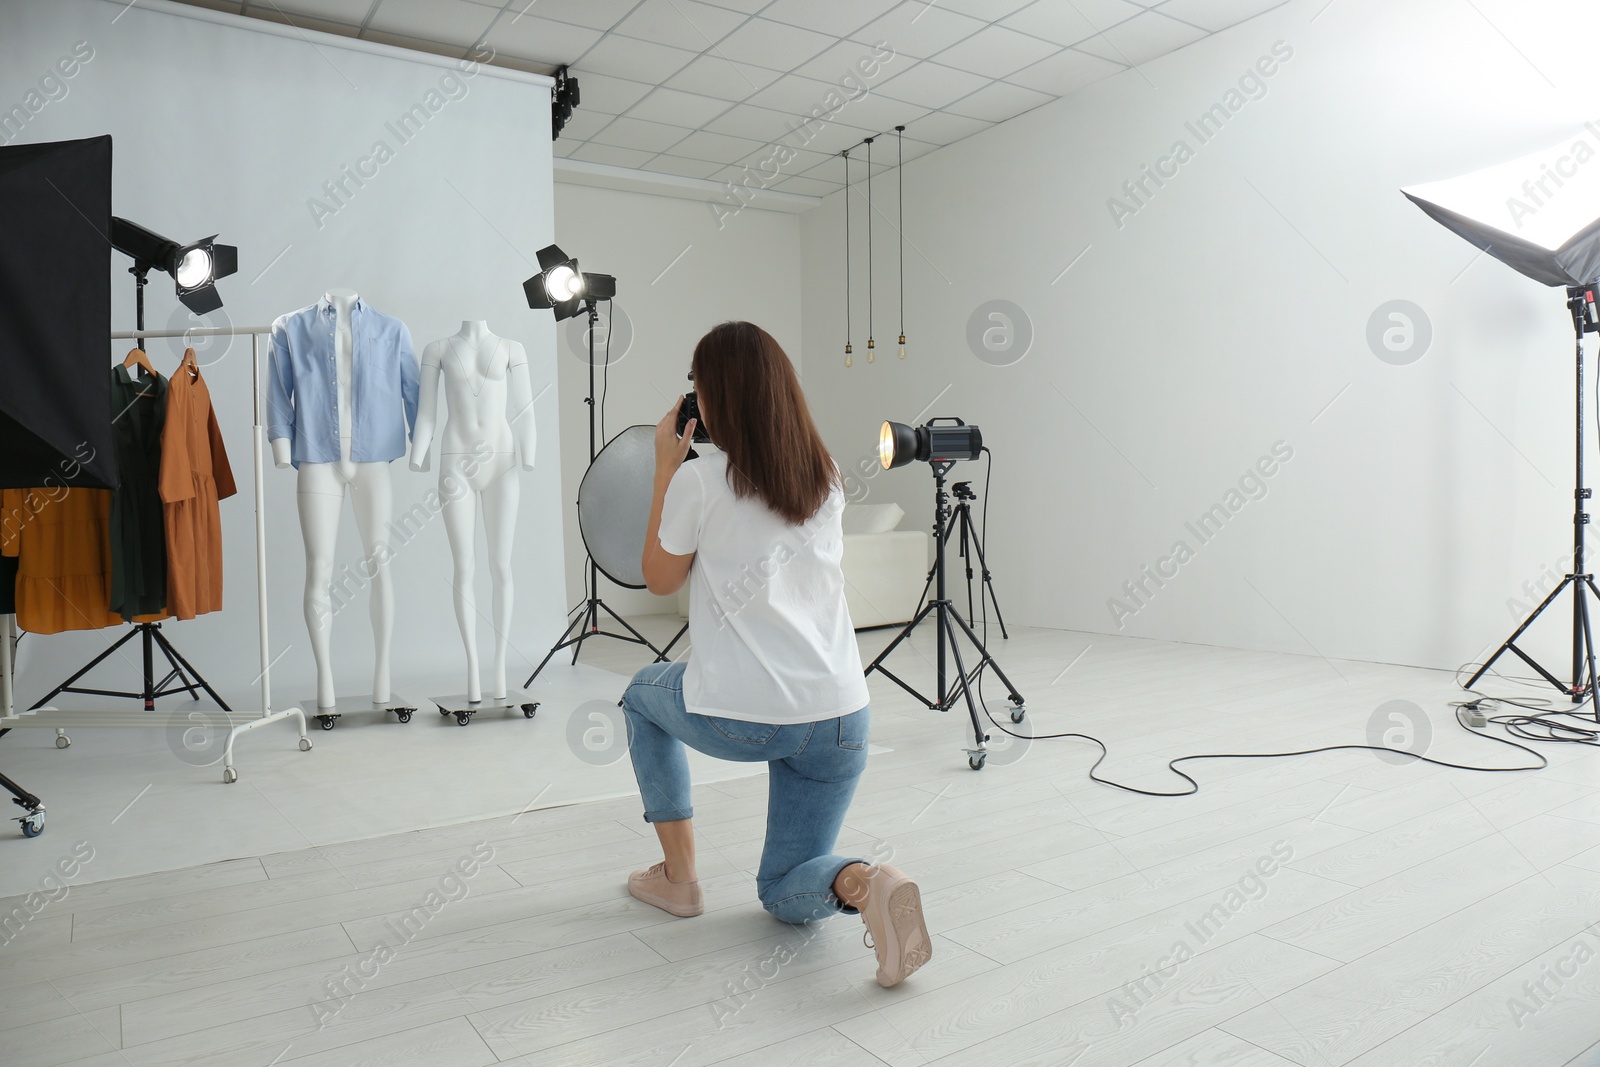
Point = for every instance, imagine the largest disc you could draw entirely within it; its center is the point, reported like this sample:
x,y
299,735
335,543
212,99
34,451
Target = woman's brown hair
x,y
755,412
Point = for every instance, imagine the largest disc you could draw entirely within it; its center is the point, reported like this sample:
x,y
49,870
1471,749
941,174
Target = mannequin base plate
x,y
463,709
403,707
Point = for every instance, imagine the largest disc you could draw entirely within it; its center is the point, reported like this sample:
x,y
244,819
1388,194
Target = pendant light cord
x,y
846,155
869,243
900,169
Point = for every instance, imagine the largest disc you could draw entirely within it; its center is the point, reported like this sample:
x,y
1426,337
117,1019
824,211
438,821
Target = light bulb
x,y
848,362
563,283
195,268
902,346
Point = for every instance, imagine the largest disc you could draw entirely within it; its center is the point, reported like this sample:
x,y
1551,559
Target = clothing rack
x,y
59,719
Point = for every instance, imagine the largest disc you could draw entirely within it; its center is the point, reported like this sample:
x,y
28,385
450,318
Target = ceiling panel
x,y
545,40
772,44
1141,39
700,88
711,75
680,23
838,18
995,52
456,22
917,29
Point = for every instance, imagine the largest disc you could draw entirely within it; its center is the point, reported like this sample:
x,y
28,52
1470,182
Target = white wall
x,y
1225,316
678,275
224,128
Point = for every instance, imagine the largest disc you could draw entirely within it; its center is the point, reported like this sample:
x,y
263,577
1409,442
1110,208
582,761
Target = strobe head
x,y
942,440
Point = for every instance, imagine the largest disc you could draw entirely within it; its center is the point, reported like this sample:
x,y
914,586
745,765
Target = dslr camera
x,y
690,409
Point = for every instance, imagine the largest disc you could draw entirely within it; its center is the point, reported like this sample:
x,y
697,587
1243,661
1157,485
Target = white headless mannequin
x,y
490,396
320,491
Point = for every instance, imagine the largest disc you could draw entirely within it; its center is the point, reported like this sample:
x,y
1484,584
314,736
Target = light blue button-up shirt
x,y
303,394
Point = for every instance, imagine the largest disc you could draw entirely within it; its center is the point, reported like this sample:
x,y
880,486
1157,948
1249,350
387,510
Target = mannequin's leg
x,y
500,522
374,497
320,495
460,524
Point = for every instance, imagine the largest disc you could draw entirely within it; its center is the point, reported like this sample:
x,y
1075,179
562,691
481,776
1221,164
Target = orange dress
x,y
62,539
195,475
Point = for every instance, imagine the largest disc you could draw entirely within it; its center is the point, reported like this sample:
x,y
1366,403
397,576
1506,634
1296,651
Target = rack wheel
x,y
403,715
327,721
1019,713
445,712
63,741
529,709
463,717
305,744
229,775
976,762
32,824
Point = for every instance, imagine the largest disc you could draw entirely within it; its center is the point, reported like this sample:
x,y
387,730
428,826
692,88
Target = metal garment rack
x,y
60,719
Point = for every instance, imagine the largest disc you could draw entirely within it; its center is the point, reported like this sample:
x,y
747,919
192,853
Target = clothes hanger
x,y
137,357
189,363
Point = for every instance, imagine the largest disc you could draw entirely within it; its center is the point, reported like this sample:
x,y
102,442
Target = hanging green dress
x,y
138,533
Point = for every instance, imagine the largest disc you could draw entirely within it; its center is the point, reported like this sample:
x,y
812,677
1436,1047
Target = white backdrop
x,y
221,128
1229,310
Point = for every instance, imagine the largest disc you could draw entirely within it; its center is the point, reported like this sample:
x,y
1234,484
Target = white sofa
x,y
884,568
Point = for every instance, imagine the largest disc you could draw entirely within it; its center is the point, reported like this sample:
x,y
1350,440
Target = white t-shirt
x,y
772,637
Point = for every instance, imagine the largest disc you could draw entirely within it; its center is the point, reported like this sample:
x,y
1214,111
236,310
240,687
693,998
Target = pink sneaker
x,y
893,915
651,885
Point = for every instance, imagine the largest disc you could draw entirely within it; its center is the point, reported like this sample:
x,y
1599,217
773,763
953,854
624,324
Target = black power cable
x,y
1519,725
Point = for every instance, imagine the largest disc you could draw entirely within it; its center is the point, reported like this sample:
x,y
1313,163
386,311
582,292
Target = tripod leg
x,y
988,584
1588,636
1511,641
646,642
174,654
177,671
557,647
990,661
591,623
948,700
904,633
91,665
675,639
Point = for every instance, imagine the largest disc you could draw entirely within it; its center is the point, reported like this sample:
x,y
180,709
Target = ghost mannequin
x,y
490,397
387,366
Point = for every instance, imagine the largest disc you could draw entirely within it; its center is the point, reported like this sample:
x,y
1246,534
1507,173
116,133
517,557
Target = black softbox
x,y
55,315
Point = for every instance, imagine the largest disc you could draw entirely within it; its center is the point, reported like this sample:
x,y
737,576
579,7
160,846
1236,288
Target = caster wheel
x,y
1018,714
463,717
403,716
229,775
976,762
445,712
528,710
32,825
305,744
63,742
327,721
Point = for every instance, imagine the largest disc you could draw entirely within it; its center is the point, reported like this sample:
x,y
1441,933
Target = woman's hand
x,y
670,448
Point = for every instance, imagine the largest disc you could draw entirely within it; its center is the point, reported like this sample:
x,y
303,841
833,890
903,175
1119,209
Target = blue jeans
x,y
812,768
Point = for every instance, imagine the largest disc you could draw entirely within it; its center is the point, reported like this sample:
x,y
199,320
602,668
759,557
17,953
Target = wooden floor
x,y
1331,909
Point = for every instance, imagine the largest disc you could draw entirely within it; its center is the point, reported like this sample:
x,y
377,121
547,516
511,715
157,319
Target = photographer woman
x,y
775,674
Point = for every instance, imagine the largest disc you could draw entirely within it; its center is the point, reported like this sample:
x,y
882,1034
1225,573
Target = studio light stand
x,y
1585,319
971,545
586,624
149,633
949,622
1555,242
